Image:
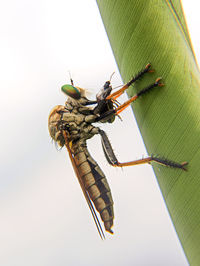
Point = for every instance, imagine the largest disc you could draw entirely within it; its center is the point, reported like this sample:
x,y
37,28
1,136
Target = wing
x,y
89,202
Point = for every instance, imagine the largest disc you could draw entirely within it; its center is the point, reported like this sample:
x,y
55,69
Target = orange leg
x,y
116,94
121,107
132,99
112,160
153,159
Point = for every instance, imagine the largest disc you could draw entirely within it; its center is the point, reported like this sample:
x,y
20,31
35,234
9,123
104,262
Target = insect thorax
x,y
75,119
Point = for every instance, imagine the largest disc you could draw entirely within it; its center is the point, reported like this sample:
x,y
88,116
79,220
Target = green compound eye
x,y
71,91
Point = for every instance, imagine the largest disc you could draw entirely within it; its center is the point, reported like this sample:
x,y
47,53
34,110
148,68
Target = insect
x,y
72,125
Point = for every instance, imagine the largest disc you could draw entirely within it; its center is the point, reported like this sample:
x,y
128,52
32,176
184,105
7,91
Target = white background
x,y
44,219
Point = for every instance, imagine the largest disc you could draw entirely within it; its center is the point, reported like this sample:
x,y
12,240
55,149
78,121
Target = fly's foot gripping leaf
x,y
169,163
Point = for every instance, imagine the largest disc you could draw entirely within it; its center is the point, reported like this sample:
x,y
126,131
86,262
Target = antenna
x,y
112,75
110,80
71,80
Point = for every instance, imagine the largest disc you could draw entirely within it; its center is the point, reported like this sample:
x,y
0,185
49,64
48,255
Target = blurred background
x,y
44,218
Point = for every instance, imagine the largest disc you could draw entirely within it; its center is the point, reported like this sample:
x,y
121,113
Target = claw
x,y
148,66
159,83
183,164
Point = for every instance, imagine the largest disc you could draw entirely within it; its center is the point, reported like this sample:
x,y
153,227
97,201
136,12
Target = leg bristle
x,y
169,163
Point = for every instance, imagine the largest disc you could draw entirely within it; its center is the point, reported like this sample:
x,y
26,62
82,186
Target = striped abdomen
x,y
95,184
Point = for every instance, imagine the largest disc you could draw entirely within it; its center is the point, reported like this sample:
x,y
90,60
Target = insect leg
x,y
90,102
157,83
112,160
120,108
116,94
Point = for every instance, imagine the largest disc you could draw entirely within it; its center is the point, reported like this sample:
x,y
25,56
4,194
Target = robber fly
x,y
72,125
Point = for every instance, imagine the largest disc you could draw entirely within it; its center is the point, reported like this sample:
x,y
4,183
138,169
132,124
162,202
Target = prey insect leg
x,y
112,160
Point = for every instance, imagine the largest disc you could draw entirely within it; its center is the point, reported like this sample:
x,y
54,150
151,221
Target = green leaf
x,y
169,117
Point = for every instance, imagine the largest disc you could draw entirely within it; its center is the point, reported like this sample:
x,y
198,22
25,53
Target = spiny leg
x,y
157,83
119,109
116,94
112,160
